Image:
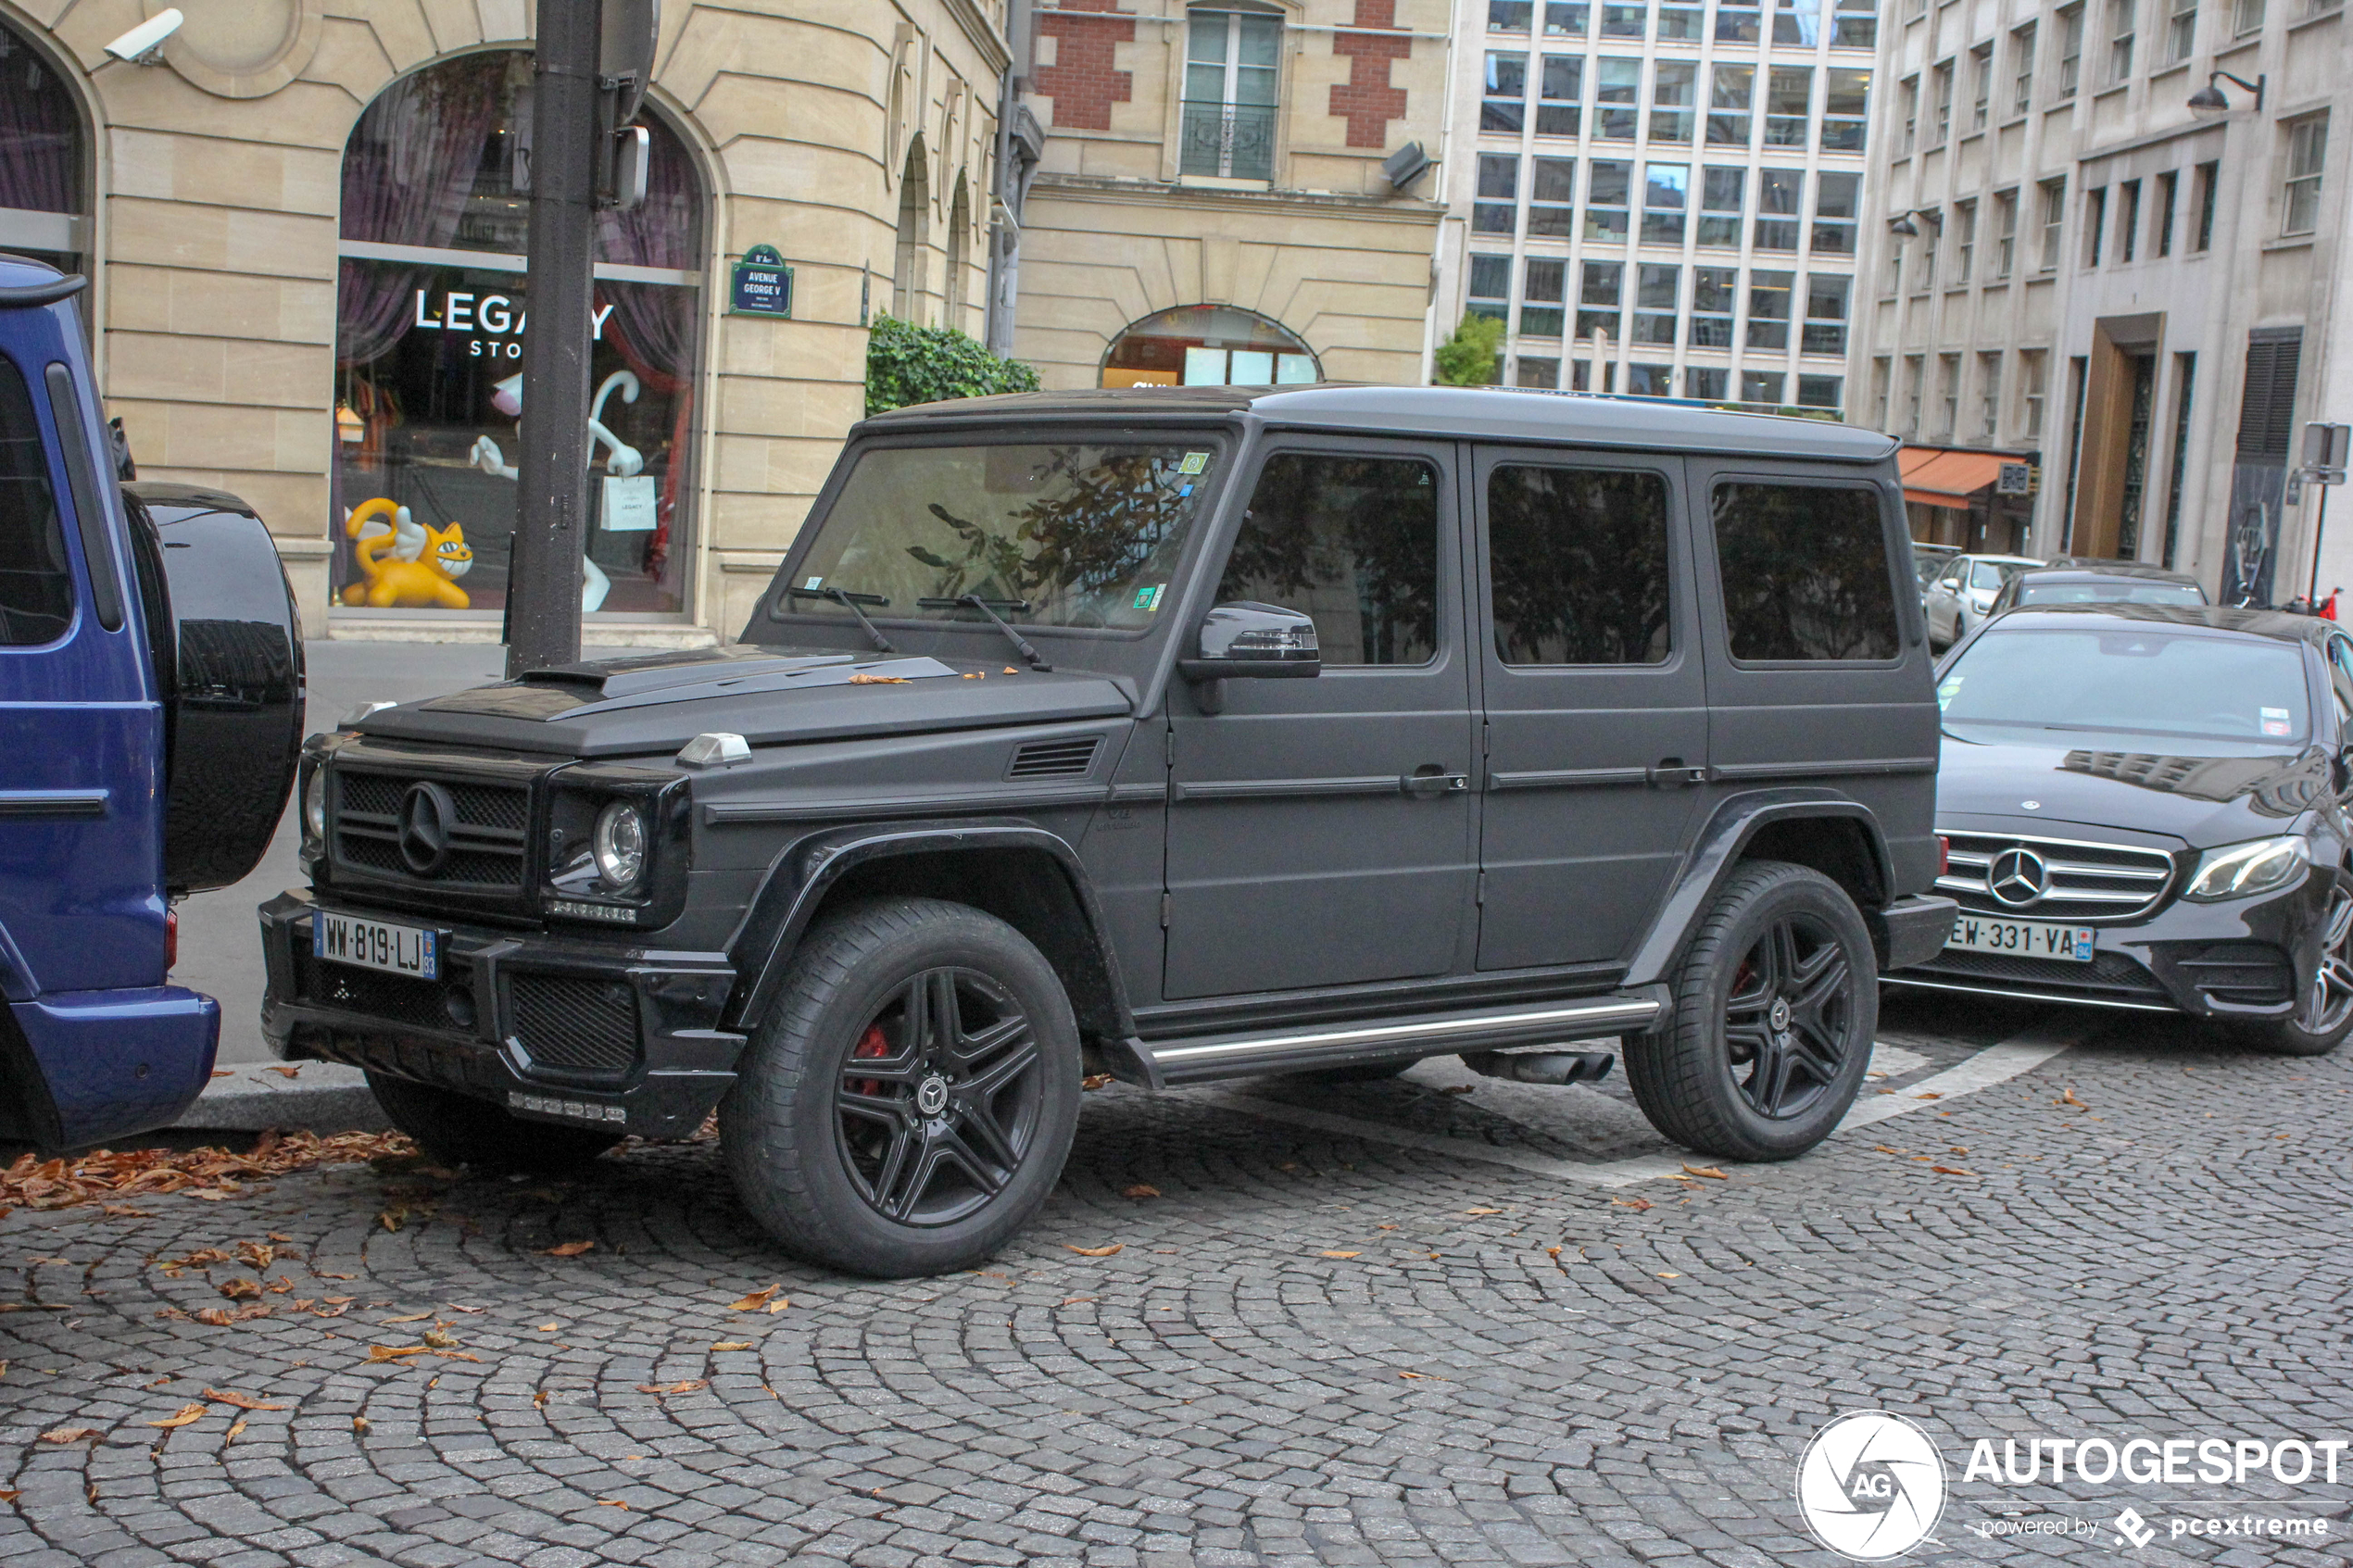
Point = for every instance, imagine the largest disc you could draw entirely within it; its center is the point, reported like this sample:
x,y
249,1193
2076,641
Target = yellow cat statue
x,y
428,580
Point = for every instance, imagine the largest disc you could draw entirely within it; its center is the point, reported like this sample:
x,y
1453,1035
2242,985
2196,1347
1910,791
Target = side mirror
x,y
1248,641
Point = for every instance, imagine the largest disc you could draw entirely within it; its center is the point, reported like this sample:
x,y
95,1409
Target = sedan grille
x,y
486,840
2055,878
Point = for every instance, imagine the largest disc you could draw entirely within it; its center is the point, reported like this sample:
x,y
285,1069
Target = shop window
x,y
42,154
1208,346
431,316
1232,67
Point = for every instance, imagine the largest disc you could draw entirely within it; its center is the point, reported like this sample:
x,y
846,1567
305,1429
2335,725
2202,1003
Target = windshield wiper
x,y
1036,660
850,602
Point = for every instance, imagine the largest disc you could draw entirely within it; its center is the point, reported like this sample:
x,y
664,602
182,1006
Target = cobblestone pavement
x,y
1313,1345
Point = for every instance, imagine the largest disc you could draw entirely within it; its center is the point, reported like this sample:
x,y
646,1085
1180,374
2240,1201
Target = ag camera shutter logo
x,y
1871,1486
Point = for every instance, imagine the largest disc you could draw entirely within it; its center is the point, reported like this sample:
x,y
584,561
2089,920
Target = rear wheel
x,y
1769,1033
909,1101
460,1130
2324,1013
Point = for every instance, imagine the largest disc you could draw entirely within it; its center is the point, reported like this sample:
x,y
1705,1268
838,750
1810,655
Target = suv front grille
x,y
578,1026
2081,880
395,999
2112,975
485,842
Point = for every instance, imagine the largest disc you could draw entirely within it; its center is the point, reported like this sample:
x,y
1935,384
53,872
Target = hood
x,y
655,703
2210,793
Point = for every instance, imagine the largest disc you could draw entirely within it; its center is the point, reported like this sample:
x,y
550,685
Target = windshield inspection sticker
x,y
1948,691
2274,721
1148,598
815,583
1195,463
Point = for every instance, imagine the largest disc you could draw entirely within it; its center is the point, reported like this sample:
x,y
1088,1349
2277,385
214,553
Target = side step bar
x,y
1195,1061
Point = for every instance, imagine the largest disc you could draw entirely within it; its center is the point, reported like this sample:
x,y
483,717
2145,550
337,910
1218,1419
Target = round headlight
x,y
619,844
314,805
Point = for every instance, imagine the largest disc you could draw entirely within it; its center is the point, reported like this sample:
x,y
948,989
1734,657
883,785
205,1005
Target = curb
x,y
323,1098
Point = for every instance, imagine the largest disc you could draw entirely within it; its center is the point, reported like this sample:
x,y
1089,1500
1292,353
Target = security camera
x,y
143,44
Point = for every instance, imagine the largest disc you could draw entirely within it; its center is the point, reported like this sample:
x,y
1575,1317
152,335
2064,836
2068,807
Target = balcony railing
x,y
1228,141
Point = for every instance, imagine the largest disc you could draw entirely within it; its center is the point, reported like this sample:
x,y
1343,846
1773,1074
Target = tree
x,y
1468,357
906,364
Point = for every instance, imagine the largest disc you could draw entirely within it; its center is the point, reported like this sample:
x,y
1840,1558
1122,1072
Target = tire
x,y
1769,1033
933,1157
2325,1015
460,1130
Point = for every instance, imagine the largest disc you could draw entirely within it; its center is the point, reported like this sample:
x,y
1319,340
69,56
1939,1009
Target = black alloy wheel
x,y
2323,1013
939,1102
1789,1022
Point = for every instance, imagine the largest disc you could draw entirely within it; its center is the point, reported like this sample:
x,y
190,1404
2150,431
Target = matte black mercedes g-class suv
x,y
1178,735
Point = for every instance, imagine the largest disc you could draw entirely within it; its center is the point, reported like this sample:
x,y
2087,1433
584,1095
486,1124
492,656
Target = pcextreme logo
x,y
1871,1486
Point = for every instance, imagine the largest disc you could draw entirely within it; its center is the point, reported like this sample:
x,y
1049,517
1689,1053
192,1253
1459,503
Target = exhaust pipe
x,y
1541,1067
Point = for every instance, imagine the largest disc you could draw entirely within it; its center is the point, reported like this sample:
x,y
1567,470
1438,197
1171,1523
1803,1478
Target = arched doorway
x,y
430,318
914,232
1209,345
44,172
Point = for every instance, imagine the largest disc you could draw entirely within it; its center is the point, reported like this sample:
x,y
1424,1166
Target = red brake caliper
x,y
871,1045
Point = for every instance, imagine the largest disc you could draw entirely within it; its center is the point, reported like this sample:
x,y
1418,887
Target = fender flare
x,y
1734,825
809,867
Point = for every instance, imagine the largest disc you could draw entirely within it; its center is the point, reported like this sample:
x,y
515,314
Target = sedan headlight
x,y
2239,870
314,806
619,845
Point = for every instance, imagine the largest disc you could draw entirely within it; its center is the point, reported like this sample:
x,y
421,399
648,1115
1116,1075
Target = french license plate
x,y
2027,938
376,944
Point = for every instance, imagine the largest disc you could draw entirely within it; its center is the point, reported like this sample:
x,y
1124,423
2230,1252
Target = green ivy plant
x,y
1468,357
906,364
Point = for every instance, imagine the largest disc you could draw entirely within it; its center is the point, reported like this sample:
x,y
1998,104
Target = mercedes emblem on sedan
x,y
426,812
2017,877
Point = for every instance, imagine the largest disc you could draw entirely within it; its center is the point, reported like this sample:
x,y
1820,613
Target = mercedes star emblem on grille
x,y
2017,877
426,813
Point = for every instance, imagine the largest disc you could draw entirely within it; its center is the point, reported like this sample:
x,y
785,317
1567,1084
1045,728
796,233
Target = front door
x,y
1596,705
1320,831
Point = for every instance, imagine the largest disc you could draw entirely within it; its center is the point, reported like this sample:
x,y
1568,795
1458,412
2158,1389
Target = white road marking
x,y
1996,1064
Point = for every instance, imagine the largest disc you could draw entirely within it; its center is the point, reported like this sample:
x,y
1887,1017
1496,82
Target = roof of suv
x,y
2067,568
1490,413
2278,625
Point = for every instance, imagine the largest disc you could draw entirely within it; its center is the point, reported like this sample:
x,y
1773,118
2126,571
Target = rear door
x,y
1319,831
1818,673
1596,701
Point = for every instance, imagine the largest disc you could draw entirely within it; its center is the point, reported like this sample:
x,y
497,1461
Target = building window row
x,y
1546,92
1852,24
1544,190
1663,310
1949,397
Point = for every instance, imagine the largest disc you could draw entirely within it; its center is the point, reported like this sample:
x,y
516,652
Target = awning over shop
x,y
1937,477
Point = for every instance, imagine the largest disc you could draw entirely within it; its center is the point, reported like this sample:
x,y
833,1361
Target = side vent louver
x,y
1055,759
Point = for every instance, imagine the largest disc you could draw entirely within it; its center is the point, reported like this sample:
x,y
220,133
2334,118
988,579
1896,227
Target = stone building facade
x,y
1210,204
2067,262
305,235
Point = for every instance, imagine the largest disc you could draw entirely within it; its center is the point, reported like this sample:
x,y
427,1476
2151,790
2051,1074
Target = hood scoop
x,y
578,690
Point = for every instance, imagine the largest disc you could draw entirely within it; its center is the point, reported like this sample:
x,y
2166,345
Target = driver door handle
x,y
1428,785
1672,771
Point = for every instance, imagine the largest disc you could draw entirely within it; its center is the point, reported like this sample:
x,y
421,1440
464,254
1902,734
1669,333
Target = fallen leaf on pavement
x,y
1094,1080
1141,1189
64,1435
684,1386
391,1218
567,1250
187,1413
1710,1172
9,1494
1931,1095
242,1402
284,1072
1074,1300
236,1428
1664,1274
1421,1377
359,1424
222,1072
549,1327
612,1502
733,1345
394,1352
1343,1254
1097,1251
413,1317
1884,1150
440,1339
1482,1211
865,680
1631,1203
756,1301
241,1289
1458,1088
1951,1171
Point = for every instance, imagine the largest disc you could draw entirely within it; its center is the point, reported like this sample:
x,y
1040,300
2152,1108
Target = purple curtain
x,y
665,232
407,171
40,133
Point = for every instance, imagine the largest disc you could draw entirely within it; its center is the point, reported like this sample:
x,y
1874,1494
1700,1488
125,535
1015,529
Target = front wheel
x,y
908,1102
1769,1033
2325,1014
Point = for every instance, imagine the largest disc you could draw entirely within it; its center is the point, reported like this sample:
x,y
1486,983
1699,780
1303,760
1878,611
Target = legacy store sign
x,y
496,320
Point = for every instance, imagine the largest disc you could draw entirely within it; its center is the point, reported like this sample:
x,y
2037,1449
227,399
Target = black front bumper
x,y
553,1029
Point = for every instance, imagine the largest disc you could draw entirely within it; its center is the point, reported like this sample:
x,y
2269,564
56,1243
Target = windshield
x,y
1929,566
1993,573
2136,680
2113,590
1074,533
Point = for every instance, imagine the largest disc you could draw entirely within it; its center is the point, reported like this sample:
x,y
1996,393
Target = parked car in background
x,y
2145,807
1929,560
150,713
1175,734
1962,595
2065,581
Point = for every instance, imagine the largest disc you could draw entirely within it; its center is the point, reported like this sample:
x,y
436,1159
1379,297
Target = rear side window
x,y
1352,542
1578,558
1805,573
36,582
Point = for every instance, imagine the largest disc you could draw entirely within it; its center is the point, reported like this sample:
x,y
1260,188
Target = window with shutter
x,y
2267,408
